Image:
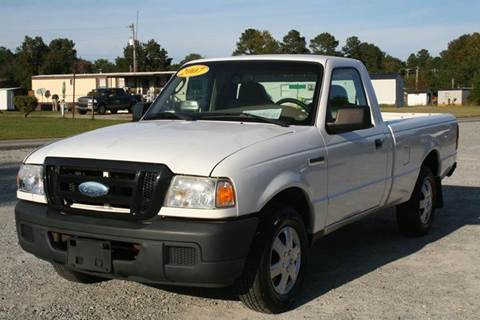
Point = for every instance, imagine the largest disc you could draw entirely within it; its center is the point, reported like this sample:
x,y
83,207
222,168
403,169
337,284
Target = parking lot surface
x,y
366,270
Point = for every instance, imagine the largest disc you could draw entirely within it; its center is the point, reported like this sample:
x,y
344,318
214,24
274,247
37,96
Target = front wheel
x,y
274,270
113,111
415,217
102,109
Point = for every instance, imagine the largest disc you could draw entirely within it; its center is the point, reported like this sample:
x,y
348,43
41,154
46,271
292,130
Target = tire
x,y
75,276
82,111
113,111
102,109
256,288
415,217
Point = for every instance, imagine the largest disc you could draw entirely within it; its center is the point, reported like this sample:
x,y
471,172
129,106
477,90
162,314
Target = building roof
x,y
384,76
104,74
7,89
457,89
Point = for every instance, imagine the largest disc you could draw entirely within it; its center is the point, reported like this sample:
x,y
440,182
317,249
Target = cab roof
x,y
278,57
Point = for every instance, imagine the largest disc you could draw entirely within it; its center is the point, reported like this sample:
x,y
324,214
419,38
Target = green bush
x,y
26,104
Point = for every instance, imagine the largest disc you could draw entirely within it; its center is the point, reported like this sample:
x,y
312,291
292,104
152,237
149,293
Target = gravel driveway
x,y
363,271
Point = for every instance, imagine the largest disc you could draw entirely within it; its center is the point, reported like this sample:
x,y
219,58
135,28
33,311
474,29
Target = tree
x,y
325,44
150,56
371,55
83,66
460,61
7,59
352,48
59,57
253,41
475,95
155,57
294,43
103,65
26,104
29,58
427,71
392,64
190,57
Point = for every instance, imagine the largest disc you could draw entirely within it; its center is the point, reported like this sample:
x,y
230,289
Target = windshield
x,y
264,91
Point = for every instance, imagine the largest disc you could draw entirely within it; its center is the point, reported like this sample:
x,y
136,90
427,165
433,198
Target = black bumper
x,y
169,251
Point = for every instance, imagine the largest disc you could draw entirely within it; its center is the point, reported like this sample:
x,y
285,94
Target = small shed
x,y
418,99
6,98
453,96
388,88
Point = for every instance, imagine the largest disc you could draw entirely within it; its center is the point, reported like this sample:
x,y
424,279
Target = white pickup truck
x,y
230,175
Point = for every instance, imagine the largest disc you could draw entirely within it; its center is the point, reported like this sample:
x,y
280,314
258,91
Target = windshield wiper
x,y
170,115
245,115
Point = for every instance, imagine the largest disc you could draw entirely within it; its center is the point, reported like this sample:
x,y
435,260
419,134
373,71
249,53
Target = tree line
x,y
456,66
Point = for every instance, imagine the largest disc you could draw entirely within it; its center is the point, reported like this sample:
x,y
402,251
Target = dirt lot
x,y
364,271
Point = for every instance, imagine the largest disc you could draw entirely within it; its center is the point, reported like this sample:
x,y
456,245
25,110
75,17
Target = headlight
x,y
30,179
200,193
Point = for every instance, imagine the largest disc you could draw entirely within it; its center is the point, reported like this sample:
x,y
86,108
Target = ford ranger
x,y
230,175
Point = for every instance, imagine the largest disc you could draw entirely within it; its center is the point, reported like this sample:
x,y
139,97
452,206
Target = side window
x,y
347,108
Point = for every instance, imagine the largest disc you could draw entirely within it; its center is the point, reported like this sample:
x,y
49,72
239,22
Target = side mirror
x,y
350,118
139,110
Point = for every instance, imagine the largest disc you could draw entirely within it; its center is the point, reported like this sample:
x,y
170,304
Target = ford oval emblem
x,y
93,189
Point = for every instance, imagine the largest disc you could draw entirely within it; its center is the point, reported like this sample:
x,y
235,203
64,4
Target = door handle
x,y
316,161
378,143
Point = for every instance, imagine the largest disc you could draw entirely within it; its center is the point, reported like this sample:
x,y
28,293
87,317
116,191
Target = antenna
x,y
136,26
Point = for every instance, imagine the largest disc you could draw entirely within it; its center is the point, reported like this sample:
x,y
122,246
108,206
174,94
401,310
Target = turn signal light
x,y
225,194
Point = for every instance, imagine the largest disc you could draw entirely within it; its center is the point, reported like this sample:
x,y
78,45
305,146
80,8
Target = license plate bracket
x,y
90,255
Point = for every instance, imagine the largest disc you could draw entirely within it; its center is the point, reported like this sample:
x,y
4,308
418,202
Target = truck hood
x,y
186,147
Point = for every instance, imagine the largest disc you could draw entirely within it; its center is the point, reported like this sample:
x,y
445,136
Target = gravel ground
x,y
363,271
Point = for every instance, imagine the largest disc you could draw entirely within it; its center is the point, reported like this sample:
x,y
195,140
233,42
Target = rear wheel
x,y
82,111
415,217
102,109
75,276
274,270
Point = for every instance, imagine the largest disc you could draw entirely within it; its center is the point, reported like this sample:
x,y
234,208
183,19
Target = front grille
x,y
135,190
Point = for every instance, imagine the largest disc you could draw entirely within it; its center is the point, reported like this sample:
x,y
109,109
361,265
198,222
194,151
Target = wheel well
x,y
296,198
432,162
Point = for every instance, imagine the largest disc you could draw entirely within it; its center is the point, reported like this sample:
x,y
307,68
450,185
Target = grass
x,y
458,111
14,126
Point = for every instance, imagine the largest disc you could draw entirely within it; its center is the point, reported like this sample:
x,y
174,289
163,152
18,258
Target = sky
x,y
212,27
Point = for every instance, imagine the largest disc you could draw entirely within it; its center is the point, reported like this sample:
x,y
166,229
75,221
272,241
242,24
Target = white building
x,y
453,96
418,99
388,88
6,98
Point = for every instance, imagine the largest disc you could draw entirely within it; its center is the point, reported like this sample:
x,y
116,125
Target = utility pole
x,y
453,83
416,78
134,44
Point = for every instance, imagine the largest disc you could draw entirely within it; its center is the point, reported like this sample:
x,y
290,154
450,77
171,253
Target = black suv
x,y
104,99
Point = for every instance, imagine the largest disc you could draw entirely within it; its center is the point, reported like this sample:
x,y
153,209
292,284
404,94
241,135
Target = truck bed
x,y
414,134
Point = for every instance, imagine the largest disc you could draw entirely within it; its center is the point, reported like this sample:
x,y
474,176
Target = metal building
x,y
453,96
388,88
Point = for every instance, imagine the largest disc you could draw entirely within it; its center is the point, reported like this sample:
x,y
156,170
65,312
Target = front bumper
x,y
84,107
171,251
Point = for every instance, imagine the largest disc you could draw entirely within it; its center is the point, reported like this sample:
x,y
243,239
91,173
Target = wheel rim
x,y
285,260
426,201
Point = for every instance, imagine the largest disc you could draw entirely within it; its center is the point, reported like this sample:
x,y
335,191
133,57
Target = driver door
x,y
357,159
